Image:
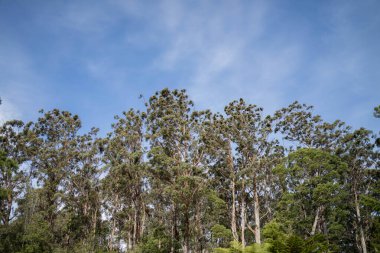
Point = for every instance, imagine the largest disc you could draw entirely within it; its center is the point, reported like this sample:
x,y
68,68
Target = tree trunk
x,y
9,208
142,228
94,222
134,235
233,212
199,234
256,211
111,240
230,165
174,232
129,240
242,214
187,233
361,230
110,243
315,223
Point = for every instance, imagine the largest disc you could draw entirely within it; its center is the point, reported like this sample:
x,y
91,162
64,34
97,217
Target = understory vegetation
x,y
170,178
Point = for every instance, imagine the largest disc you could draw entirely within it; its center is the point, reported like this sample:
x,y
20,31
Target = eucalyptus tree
x,y
15,137
173,179
313,182
176,155
13,145
222,167
371,204
9,177
14,141
300,126
356,147
125,184
81,199
256,154
358,150
54,154
10,189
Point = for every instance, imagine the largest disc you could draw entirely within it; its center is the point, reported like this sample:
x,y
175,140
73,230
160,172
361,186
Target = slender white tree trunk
x,y
361,230
315,223
134,235
233,213
142,221
256,212
242,216
230,165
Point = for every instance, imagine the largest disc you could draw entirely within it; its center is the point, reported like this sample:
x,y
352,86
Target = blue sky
x,y
94,58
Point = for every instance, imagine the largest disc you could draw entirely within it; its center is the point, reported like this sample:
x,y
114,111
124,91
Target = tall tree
x,y
299,126
250,132
176,159
125,185
81,197
312,191
13,144
53,159
174,179
10,187
358,151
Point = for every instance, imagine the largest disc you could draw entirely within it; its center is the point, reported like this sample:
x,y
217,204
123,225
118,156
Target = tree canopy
x,y
171,178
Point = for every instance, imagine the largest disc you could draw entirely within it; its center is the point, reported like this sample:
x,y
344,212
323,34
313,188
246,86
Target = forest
x,y
170,178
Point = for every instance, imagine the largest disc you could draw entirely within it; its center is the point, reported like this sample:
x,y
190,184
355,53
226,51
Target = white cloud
x,y
222,50
216,45
8,111
22,90
218,50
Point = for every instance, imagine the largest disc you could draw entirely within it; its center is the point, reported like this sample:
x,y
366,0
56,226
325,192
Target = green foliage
x,y
295,244
174,179
317,243
37,236
11,179
10,237
273,231
236,247
281,242
274,235
155,242
221,235
312,179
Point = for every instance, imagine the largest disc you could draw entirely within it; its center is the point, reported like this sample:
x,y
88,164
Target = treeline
x,y
173,179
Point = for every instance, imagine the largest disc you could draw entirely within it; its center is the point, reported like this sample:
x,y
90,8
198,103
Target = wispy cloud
x,y
21,89
8,111
268,52
225,54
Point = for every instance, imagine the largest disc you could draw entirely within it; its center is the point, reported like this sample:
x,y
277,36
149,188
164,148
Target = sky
x,y
94,58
